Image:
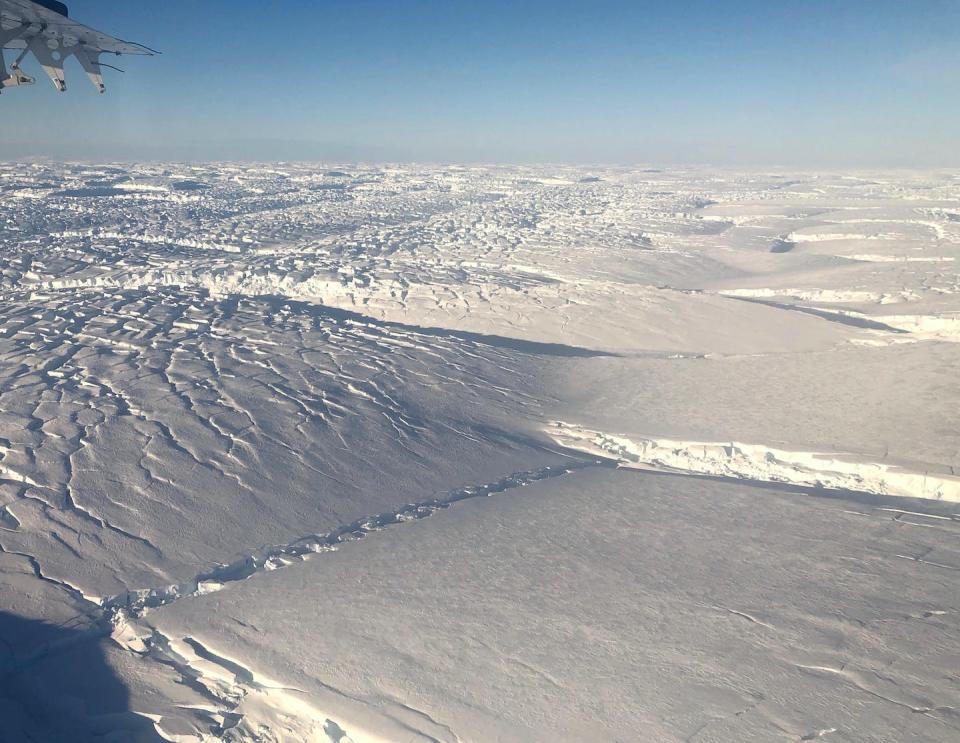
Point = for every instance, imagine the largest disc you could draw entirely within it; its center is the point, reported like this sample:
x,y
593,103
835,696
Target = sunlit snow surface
x,y
478,454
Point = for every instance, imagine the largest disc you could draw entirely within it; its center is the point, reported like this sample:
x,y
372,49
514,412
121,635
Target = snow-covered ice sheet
x,y
219,382
601,606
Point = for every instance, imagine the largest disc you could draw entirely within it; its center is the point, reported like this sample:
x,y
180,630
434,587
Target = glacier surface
x,y
493,453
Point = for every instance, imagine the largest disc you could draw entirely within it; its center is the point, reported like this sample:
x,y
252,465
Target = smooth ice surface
x,y
250,417
611,606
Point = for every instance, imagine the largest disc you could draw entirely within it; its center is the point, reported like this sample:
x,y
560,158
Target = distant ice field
x,y
434,453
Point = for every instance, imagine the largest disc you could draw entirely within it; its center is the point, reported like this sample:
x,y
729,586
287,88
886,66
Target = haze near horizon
x,y
747,84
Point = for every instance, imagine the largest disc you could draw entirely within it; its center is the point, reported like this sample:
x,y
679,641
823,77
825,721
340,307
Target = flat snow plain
x,y
350,454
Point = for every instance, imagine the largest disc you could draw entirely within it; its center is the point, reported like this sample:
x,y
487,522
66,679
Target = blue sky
x,y
799,84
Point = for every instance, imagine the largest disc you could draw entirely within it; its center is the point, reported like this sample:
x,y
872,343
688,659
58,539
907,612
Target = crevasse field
x,y
488,454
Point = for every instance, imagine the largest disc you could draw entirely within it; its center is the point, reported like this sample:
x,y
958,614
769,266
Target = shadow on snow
x,y
57,687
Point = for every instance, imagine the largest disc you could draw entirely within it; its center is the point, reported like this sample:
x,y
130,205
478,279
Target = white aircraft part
x,y
90,61
50,59
53,38
15,77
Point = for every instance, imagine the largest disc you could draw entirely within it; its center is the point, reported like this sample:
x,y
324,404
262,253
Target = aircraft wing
x,y
44,29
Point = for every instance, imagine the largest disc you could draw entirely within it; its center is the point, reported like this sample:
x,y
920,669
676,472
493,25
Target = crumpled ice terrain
x,y
302,453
